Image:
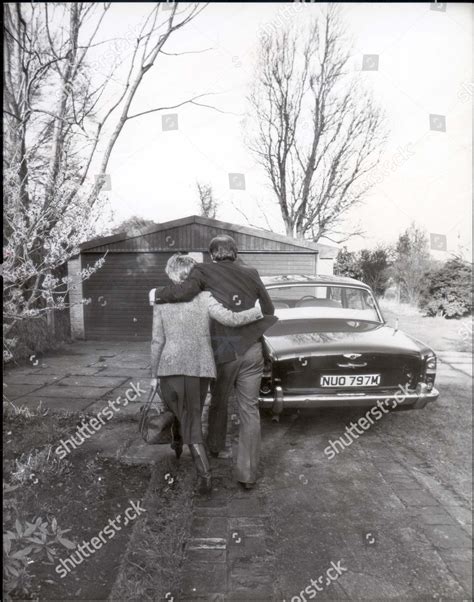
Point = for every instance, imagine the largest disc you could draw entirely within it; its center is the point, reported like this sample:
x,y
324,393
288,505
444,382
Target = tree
x,y
317,133
61,123
374,265
369,265
133,225
207,202
347,264
411,263
449,290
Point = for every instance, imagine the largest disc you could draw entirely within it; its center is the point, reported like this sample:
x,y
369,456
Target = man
x,y
237,351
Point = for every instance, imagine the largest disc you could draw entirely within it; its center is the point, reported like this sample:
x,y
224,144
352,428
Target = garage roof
x,y
98,244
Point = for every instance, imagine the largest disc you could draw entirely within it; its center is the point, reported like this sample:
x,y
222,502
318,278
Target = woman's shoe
x,y
177,440
177,446
204,485
201,462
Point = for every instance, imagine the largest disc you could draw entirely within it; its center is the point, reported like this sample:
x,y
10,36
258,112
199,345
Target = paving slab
x,y
462,570
84,371
139,452
127,371
206,549
29,379
93,381
73,391
434,515
135,394
412,497
249,576
447,536
206,526
13,392
203,578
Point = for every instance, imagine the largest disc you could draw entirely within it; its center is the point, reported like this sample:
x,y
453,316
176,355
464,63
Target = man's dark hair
x,y
223,247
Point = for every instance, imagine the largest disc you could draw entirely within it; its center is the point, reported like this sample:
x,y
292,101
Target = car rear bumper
x,y
415,400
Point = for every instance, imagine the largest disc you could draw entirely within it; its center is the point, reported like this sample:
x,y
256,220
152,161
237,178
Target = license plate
x,y
350,380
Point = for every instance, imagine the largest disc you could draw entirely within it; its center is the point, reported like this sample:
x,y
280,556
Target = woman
x,y
182,358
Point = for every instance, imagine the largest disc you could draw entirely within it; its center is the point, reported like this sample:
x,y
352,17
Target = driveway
x,y
393,507
388,516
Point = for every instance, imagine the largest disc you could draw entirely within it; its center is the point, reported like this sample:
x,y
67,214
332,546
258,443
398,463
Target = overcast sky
x,y
425,67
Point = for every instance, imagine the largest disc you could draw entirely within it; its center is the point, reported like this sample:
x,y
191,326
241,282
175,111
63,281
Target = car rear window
x,y
315,295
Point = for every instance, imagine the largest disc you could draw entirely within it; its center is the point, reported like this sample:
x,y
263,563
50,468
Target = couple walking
x,y
207,330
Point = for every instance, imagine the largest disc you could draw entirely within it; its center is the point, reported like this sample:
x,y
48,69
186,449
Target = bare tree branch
x,y
314,130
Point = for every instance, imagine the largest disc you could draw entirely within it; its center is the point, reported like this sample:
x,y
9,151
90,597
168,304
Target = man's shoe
x,y
247,486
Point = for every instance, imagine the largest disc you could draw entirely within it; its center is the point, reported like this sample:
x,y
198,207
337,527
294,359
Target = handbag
x,y
153,423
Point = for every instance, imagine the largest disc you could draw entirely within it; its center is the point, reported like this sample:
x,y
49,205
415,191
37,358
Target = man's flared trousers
x,y
244,375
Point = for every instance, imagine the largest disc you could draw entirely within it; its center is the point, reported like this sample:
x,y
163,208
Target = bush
x,y
368,265
449,290
33,335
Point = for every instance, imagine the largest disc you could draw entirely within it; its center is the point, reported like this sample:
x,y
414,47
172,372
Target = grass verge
x,y
150,567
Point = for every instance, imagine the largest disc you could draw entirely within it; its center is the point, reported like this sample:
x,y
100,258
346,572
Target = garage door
x,y
119,306
273,264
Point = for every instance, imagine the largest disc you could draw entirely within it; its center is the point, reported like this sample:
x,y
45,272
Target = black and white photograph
x,y
237,301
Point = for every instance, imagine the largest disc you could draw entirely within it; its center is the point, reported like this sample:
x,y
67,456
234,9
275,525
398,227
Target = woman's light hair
x,y
179,267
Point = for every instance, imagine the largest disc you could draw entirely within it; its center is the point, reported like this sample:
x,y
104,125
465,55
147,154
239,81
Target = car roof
x,y
308,279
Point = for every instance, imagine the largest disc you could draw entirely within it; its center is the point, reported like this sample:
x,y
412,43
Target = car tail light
x,y
266,386
430,371
267,368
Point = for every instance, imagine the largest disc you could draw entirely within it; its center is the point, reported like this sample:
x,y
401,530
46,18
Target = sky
x,y
424,68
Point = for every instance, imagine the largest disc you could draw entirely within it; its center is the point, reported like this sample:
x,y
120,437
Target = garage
x,y
112,303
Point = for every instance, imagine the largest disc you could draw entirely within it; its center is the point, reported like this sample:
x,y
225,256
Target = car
x,y
331,347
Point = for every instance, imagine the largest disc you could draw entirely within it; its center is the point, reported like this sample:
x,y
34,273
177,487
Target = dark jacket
x,y
237,287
